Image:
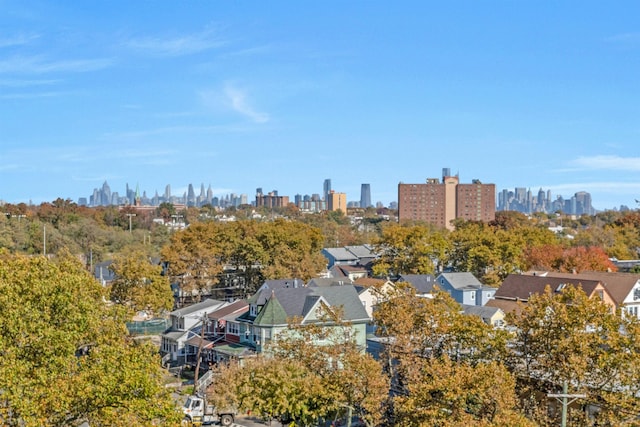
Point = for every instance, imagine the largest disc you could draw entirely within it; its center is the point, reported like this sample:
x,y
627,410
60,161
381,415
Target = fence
x,y
148,327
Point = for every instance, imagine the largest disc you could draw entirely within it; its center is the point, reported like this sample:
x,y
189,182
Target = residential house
x,y
372,292
422,283
348,272
272,310
493,316
624,288
339,256
281,283
323,282
465,288
103,273
185,323
362,255
222,335
516,289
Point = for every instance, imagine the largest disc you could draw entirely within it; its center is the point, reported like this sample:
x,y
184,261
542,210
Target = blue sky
x,y
282,95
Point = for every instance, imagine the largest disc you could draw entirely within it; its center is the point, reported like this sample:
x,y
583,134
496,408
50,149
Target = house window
x,y
473,296
253,310
233,328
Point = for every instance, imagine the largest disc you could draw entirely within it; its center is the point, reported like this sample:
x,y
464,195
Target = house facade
x,y
271,311
465,288
623,288
185,324
516,289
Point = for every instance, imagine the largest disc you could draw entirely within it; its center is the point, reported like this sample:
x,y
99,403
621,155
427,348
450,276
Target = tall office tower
x,y
326,189
106,195
209,194
583,203
440,202
191,196
365,196
202,197
167,193
337,202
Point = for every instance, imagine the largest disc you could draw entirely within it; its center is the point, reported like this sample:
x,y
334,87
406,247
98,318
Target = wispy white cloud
x,y
182,45
27,83
608,162
17,40
42,65
238,100
34,95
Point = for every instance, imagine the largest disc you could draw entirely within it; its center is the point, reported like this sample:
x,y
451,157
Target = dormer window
x,y
253,310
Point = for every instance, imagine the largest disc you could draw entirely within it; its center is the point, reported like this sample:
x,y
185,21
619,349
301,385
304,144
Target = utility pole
x,y
196,375
566,399
130,215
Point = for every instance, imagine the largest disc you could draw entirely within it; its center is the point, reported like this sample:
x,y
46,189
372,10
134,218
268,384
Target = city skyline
x,y
282,96
521,199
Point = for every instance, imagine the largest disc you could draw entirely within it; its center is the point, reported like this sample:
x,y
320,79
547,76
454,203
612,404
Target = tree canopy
x,y
65,355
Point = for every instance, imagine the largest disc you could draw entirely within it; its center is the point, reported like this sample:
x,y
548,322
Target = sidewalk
x,y
251,421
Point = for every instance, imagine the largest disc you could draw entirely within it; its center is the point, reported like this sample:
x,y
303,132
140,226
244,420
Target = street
x,y
250,421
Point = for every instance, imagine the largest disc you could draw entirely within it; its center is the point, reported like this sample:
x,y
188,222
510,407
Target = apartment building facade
x,y
439,202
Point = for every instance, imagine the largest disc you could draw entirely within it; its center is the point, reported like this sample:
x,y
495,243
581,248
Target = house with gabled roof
x,y
422,283
362,255
281,283
186,323
516,289
323,282
222,335
373,291
623,288
348,272
339,256
271,311
493,316
465,288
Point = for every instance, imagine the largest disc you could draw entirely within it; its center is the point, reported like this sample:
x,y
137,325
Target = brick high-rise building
x,y
440,202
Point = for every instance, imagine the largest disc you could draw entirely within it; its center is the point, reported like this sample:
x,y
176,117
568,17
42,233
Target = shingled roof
x,y
521,286
286,303
619,285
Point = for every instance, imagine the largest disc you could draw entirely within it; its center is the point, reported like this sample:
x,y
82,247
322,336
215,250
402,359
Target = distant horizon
x,y
182,191
282,95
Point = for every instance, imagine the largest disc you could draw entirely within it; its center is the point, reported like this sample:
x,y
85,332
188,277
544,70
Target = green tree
x,y
566,337
446,367
140,285
66,356
411,249
308,373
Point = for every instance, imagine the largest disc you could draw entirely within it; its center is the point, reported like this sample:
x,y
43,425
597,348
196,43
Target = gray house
x,y
271,310
185,324
362,255
422,283
465,288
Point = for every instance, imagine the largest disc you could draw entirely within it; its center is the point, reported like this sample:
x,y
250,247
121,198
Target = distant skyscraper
x,y
365,196
326,189
191,196
209,194
167,193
